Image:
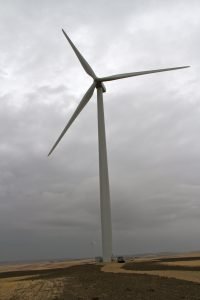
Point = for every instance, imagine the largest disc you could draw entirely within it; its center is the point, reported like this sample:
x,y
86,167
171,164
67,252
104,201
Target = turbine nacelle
x,y
100,84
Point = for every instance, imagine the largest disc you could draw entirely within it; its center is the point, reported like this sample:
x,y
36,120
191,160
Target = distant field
x,y
185,263
42,265
180,267
82,280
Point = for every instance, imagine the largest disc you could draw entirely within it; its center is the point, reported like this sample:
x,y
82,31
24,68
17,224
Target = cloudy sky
x,y
49,207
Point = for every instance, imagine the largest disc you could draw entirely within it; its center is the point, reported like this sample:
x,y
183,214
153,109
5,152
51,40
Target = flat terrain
x,y
183,267
83,280
42,265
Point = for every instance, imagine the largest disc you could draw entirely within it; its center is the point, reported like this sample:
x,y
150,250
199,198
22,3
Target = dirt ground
x,y
43,265
87,281
182,267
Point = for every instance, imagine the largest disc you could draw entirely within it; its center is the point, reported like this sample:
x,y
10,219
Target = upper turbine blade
x,y
79,108
125,75
82,60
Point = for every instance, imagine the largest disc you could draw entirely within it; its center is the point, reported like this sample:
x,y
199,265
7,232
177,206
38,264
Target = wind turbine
x,y
106,226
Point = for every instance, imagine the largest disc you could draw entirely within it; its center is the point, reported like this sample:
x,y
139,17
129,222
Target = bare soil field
x,y
43,265
180,267
87,281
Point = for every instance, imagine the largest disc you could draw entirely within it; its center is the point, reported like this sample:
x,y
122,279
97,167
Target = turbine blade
x,y
126,75
79,108
82,60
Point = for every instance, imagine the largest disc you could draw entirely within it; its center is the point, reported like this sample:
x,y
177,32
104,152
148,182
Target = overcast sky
x,y
49,207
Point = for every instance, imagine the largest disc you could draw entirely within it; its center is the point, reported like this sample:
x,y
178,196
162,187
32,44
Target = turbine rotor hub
x,y
100,84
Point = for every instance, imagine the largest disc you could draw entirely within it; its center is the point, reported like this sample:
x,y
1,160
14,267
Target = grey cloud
x,y
50,206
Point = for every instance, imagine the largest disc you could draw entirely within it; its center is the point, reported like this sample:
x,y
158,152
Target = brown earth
x,y
87,281
180,267
43,265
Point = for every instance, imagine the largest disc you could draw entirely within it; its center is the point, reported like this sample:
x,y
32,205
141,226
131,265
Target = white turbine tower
x,y
106,226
